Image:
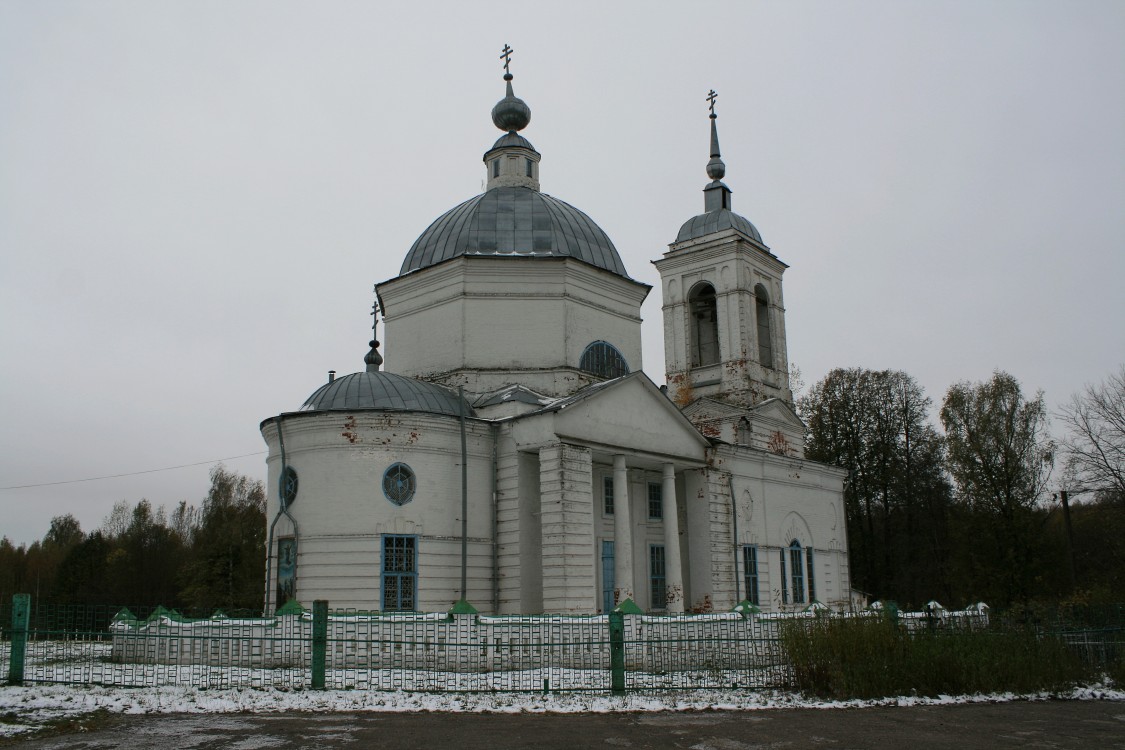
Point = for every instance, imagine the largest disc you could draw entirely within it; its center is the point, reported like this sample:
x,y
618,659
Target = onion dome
x,y
511,113
716,197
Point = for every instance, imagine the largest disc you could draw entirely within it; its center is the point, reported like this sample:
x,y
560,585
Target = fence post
x,y
21,616
319,642
617,652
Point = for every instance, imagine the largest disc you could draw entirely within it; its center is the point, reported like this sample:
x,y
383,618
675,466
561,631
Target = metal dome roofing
x,y
717,221
511,140
514,221
385,390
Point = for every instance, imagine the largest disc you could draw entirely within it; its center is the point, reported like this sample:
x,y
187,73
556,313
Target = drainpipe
x,y
464,496
734,523
495,430
282,510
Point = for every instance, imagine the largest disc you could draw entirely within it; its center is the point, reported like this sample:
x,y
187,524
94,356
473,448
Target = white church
x,y
512,454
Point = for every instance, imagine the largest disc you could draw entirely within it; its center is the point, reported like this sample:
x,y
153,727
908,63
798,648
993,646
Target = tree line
x,y
988,507
194,558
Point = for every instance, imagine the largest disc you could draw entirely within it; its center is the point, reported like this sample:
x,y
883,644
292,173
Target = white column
x,y
622,533
673,570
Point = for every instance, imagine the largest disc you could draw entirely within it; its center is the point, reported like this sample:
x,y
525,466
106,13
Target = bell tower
x,y
724,312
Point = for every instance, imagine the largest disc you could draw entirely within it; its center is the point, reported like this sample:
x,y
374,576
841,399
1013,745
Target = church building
x,y
512,454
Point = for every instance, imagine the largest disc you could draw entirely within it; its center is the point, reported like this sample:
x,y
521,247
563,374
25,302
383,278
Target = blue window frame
x,y
607,495
400,573
750,572
655,500
812,584
784,583
658,577
609,578
797,561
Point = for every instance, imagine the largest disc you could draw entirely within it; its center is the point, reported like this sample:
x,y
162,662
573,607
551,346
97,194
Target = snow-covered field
x,y
24,709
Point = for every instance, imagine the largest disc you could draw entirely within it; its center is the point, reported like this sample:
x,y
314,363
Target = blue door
x,y
608,577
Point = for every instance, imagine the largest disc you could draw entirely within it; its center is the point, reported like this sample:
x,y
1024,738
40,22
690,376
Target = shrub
x,y
874,658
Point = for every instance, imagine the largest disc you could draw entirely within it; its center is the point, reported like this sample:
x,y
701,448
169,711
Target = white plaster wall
x,y
341,512
516,314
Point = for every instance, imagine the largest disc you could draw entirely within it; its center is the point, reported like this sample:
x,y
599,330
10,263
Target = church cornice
x,y
714,247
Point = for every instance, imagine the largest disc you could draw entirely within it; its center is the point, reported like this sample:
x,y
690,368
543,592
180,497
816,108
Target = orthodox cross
x,y
507,57
711,97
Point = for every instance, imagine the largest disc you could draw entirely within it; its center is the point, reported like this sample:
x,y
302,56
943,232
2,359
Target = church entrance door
x,y
608,578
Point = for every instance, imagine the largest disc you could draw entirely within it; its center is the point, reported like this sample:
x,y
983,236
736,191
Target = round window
x,y
399,484
287,485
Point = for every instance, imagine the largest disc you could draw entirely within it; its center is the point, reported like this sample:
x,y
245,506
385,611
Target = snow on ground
x,y
25,709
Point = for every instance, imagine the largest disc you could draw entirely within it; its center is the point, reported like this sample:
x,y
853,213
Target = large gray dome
x,y
384,390
717,221
514,221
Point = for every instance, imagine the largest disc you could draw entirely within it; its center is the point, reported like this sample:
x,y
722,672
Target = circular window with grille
x,y
287,486
399,484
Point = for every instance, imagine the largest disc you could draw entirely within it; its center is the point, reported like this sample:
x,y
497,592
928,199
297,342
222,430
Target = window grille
x,y
750,570
604,360
400,572
399,483
784,581
657,577
655,500
796,559
812,583
607,495
287,486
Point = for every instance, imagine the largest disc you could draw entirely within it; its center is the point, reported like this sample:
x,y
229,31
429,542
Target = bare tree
x,y
1093,449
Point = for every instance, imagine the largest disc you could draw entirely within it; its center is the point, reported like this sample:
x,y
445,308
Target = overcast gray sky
x,y
196,197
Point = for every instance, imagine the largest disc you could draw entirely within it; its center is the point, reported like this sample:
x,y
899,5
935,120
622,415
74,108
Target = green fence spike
x,y
747,607
462,607
291,607
629,607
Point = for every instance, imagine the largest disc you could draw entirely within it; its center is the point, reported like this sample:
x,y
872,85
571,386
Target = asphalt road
x,y
1053,724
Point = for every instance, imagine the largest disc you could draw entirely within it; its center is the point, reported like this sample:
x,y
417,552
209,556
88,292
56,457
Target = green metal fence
x,y
456,652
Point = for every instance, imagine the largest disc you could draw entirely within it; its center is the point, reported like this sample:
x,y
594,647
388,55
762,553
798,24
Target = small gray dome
x,y
514,221
717,221
385,390
509,140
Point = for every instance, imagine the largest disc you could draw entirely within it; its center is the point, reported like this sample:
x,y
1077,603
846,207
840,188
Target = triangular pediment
x,y
631,412
710,408
777,411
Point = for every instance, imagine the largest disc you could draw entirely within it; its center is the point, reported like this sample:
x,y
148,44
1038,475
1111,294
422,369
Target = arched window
x,y
765,338
797,567
602,359
704,326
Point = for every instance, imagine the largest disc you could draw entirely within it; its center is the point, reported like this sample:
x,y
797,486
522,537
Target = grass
x,y
846,659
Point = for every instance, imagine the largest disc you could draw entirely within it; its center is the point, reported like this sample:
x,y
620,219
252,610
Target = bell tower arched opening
x,y
704,325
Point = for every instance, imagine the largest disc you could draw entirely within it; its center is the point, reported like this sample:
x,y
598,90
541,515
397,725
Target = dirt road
x,y
1053,724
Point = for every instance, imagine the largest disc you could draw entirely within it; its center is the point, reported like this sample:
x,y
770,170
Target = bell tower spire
x,y
724,318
